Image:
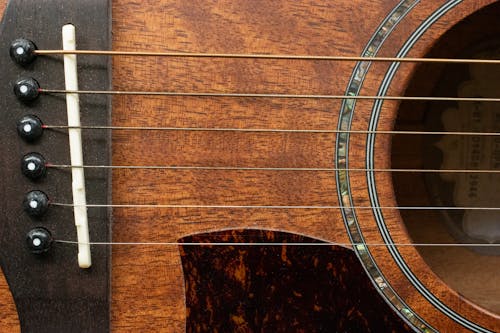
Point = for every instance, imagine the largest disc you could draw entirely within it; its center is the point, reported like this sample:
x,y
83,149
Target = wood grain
x,y
148,282
185,24
392,218
9,321
248,27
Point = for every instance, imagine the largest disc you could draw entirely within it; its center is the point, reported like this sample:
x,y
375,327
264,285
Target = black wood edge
x,y
51,292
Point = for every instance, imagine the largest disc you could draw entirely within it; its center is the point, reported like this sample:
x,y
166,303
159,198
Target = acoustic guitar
x,y
250,166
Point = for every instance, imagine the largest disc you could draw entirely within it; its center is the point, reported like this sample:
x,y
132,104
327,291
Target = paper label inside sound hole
x,y
460,152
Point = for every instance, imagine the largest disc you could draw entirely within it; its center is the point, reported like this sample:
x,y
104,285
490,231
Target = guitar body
x,y
153,285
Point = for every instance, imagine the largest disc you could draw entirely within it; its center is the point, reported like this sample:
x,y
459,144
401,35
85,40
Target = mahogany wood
x,y
147,282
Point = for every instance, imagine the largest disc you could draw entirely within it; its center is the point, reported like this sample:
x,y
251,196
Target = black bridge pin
x,y
30,128
22,51
27,89
36,203
39,240
33,166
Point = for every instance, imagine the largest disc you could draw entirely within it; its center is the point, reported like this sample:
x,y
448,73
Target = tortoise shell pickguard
x,y
279,288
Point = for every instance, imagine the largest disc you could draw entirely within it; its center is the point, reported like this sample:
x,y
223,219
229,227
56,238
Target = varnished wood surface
x,y
148,284
385,190
9,321
244,27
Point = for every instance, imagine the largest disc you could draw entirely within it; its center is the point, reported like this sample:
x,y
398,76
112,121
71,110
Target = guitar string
x,y
237,168
263,56
273,206
266,95
275,168
294,57
282,207
347,245
271,130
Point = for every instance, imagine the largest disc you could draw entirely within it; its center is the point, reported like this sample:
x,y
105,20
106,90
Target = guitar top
x,y
248,168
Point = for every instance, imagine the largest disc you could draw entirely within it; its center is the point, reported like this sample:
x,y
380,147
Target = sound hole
x,y
470,270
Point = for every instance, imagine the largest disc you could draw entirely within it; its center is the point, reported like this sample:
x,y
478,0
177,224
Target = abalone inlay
x,y
342,176
344,191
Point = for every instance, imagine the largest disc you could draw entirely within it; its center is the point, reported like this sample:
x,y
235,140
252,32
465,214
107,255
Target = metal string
x,y
258,95
175,167
271,130
347,245
264,56
272,95
273,206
